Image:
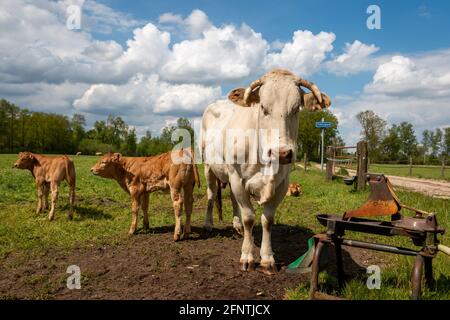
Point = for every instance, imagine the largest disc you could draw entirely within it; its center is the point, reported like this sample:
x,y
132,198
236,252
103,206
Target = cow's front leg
x,y
135,205
144,206
211,193
55,193
247,261
177,201
267,264
40,194
237,224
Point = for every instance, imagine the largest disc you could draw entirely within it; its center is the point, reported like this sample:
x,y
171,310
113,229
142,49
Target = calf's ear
x,y
237,97
117,157
310,102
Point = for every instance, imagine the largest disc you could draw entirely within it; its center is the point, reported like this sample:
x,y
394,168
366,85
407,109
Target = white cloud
x,y
304,54
222,54
357,57
145,96
414,89
193,26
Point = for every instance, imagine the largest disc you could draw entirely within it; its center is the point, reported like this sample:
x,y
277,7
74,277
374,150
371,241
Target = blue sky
x,y
137,58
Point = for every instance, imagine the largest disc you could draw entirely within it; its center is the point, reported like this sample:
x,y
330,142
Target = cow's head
x,y
277,97
26,160
107,166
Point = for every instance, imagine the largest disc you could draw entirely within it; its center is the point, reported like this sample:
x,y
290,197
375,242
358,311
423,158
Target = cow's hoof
x,y
131,233
51,218
247,266
269,270
70,216
176,237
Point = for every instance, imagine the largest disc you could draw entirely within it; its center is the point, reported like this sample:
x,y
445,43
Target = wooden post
x,y
410,166
305,158
330,164
362,161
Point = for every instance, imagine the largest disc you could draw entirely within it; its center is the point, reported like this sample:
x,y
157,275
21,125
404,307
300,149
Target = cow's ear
x,y
237,97
31,156
310,102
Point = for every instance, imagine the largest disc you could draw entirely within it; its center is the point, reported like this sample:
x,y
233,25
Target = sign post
x,y
322,125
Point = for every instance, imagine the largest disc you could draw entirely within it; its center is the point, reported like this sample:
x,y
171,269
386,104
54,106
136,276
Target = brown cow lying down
x,y
294,190
48,173
139,176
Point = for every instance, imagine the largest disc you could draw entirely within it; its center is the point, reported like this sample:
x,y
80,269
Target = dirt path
x,y
429,187
152,266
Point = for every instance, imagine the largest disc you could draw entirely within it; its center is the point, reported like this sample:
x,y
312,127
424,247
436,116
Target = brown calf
x,y
294,190
139,176
48,173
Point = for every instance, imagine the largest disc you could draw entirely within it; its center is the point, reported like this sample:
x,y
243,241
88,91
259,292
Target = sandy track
x,y
429,187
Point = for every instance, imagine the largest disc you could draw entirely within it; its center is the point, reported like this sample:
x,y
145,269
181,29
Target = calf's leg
x,y
40,193
177,201
46,194
71,200
135,205
144,206
55,193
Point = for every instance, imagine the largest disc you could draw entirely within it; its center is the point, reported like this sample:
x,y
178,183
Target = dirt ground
x,y
152,266
429,187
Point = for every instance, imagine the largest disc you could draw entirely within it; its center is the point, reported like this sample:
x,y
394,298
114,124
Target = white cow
x,y
272,102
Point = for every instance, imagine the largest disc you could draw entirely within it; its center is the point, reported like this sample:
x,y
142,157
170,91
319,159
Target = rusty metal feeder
x,y
422,229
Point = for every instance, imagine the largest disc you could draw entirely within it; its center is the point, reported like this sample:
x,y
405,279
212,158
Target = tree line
x,y
22,129
398,143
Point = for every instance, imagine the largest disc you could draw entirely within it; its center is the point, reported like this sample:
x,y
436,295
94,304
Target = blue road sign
x,y
323,124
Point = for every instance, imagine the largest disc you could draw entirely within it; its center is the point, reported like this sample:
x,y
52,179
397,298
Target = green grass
x,y
103,216
426,172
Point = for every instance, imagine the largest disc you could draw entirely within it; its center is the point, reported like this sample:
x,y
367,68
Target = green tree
x,y
408,141
426,143
391,144
436,142
373,131
309,137
77,123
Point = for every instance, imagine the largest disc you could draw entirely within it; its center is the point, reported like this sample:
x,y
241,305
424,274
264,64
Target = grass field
x,y
426,172
102,216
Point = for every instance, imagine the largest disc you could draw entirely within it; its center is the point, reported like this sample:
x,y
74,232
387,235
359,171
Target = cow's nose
x,y
92,169
285,156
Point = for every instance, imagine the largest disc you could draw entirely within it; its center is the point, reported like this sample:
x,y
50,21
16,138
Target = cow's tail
x,y
219,200
71,180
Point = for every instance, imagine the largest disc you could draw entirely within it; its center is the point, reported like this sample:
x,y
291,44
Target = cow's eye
x,y
264,110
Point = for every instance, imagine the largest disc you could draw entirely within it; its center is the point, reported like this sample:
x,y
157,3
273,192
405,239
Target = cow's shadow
x,y
84,213
288,243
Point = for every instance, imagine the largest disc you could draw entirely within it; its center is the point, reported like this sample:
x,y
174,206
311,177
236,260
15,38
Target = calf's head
x,y
277,97
107,166
26,160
